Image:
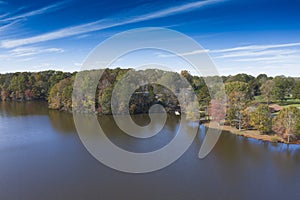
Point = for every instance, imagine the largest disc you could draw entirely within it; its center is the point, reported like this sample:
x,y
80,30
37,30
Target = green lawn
x,y
296,105
288,102
291,102
259,99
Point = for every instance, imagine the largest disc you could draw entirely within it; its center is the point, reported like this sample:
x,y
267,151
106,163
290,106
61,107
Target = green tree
x,y
240,78
239,87
283,87
258,82
17,86
296,91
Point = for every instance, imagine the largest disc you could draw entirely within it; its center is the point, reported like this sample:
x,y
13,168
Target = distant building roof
x,y
275,107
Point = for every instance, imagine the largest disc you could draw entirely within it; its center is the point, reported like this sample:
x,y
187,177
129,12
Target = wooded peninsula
x,y
268,105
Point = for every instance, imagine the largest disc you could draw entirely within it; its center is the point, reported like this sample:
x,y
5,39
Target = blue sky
x,y
241,36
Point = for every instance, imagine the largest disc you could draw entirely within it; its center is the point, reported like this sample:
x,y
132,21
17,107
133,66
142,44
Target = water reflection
x,y
45,161
133,144
62,121
16,109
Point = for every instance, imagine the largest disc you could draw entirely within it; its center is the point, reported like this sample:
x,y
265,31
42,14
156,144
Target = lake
x,y
42,157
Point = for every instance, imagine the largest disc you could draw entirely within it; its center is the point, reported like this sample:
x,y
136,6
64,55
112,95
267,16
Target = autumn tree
x,y
261,119
217,110
60,96
287,122
104,101
267,89
187,76
237,103
241,87
239,95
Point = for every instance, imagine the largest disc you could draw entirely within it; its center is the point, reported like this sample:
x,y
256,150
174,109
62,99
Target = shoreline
x,y
254,134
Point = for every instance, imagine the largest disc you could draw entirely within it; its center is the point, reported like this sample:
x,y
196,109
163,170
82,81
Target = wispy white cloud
x,y
176,9
40,11
275,52
271,59
9,20
4,15
21,52
9,25
28,51
252,54
256,47
244,51
168,55
255,59
106,23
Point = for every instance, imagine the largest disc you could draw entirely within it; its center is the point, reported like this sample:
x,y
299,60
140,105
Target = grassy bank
x,y
252,134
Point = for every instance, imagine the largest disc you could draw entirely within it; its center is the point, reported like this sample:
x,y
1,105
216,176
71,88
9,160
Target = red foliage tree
x,y
217,110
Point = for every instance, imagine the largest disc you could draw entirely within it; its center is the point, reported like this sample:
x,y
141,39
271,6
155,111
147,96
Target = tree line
x,y
242,110
28,86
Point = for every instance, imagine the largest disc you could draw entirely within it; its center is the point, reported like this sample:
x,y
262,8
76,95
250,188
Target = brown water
x,y
41,157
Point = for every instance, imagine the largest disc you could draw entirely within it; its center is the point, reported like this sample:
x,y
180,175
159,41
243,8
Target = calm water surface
x,y
41,157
